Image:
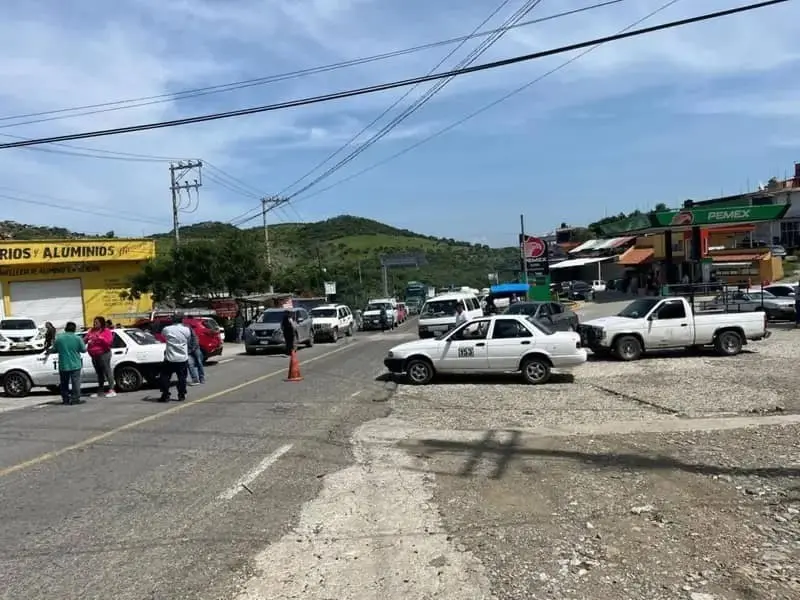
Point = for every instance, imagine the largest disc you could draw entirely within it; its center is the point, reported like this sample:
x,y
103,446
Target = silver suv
x,y
265,332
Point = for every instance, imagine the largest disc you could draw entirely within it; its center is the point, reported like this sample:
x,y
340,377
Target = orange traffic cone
x,y
294,368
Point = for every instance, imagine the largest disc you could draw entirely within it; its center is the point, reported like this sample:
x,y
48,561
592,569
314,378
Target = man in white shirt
x,y
461,316
176,357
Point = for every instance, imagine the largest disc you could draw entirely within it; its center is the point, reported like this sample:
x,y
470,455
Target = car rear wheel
x,y
349,332
536,370
335,335
310,342
728,343
17,384
419,371
128,378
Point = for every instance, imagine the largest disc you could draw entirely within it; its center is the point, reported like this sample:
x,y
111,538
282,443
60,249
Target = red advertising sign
x,y
535,247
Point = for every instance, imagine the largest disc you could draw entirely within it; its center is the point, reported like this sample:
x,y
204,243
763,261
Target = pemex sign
x,y
697,217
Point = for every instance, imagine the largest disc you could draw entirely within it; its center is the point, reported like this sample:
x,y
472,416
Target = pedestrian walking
x,y
69,348
49,335
176,357
384,319
289,330
196,370
99,340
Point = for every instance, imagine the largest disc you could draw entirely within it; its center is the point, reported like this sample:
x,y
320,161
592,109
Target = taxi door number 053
x,y
466,352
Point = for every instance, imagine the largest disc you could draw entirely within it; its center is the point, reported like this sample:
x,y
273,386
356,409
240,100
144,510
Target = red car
x,y
208,332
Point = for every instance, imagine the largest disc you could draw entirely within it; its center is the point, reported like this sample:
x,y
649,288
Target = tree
x,y
230,265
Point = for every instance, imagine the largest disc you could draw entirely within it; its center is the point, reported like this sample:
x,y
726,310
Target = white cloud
x,y
58,57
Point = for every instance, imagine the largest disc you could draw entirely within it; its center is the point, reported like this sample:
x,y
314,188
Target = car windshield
x,y
639,308
379,306
143,338
323,313
271,316
545,329
522,308
440,308
210,324
17,324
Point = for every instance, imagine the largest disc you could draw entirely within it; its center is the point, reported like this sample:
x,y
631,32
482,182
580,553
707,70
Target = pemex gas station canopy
x,y
686,218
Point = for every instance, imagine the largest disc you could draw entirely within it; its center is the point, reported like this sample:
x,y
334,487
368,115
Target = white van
x,y
438,314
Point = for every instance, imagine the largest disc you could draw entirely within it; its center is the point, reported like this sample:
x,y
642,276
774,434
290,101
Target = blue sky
x,y
687,113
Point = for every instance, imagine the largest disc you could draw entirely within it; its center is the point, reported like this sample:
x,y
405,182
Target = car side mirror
x,y
651,317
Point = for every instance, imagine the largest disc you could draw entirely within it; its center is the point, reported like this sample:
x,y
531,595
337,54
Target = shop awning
x,y
636,256
588,245
612,243
579,262
509,288
739,258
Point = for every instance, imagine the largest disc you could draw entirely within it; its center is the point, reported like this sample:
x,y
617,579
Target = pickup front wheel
x,y
628,348
728,343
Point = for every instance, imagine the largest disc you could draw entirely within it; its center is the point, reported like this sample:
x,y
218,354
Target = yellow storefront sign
x,y
74,251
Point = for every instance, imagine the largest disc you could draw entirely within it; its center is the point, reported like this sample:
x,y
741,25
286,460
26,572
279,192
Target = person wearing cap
x,y
178,338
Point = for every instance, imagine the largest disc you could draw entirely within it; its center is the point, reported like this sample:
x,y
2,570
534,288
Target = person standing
x,y
289,330
461,316
99,340
69,348
196,370
49,335
176,357
238,326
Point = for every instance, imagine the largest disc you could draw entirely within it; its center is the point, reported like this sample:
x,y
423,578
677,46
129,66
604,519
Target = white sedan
x,y
500,344
136,357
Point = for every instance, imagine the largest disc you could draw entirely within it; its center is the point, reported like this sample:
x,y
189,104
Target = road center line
x,y
251,476
154,417
355,394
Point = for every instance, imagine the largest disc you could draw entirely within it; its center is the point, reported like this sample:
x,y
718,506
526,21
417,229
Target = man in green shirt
x,y
70,362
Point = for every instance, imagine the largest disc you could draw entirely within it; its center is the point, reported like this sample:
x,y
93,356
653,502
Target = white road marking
x,y
353,395
224,360
251,476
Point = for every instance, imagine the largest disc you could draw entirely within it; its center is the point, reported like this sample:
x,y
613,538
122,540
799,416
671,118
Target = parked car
x,y
439,313
659,324
20,334
331,322
782,290
265,332
402,312
372,314
136,357
209,334
552,314
776,309
579,290
598,285
500,344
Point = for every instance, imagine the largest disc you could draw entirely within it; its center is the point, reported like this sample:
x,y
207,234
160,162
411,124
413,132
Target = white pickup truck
x,y
669,323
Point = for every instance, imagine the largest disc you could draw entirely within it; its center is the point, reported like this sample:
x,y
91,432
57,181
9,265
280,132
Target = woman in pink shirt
x,y
98,344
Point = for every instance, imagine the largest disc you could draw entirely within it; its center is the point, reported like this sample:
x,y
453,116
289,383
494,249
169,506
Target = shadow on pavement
x,y
504,379
502,453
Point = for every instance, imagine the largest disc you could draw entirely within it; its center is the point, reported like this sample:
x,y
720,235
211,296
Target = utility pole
x,y
523,258
268,204
177,171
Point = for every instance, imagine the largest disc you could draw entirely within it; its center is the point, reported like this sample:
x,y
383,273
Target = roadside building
x,y
70,280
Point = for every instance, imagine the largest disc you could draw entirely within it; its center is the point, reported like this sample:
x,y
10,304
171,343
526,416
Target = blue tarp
x,y
509,288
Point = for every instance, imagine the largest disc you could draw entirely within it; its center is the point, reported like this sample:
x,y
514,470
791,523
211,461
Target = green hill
x,y
349,248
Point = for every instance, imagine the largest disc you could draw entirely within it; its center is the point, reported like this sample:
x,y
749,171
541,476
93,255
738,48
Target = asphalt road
x,y
127,498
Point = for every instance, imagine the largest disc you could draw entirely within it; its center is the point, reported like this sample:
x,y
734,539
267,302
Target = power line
x,y
389,85
103,107
420,102
484,108
85,211
392,106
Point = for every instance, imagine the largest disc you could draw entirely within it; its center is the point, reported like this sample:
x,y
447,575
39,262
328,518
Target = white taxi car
x,y
136,357
500,344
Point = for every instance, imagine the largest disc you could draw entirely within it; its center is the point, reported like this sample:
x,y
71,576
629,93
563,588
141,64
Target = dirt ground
x,y
593,511
700,515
